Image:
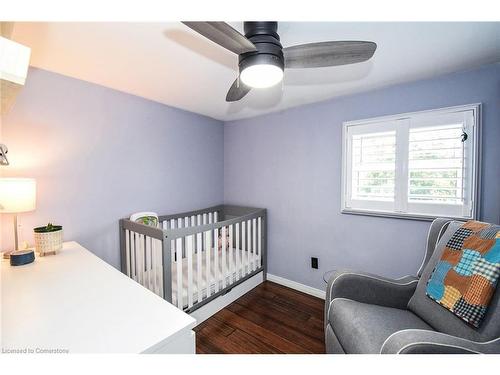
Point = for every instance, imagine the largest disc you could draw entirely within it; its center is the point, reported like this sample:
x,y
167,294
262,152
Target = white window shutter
x,y
413,165
373,166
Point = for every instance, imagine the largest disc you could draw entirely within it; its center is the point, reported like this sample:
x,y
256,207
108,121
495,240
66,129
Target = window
x,y
420,165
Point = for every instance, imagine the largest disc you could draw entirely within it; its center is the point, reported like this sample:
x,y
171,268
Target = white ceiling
x,y
171,64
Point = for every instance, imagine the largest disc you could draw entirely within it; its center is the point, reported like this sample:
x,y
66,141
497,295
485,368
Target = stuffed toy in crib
x,y
228,242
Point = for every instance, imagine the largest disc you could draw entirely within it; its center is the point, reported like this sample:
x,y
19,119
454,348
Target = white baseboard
x,y
297,286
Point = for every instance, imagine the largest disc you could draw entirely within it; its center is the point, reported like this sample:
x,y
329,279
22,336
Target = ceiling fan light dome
x,y
261,75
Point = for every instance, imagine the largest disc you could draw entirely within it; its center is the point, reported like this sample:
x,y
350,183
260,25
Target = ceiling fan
x,y
262,59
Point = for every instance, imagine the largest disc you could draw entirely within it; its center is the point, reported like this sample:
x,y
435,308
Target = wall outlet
x,y
314,263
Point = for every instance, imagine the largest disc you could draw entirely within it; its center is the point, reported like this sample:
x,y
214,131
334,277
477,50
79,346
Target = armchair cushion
x,y
414,341
363,328
369,288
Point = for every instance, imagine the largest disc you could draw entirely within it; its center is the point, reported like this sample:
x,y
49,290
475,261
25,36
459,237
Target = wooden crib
x,y
194,257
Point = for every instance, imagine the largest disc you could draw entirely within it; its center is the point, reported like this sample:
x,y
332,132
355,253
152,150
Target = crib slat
x,y
127,250
158,260
137,258
179,249
208,246
231,258
140,257
249,238
259,242
144,262
191,268
154,266
216,259
216,217
173,244
243,248
148,262
238,248
132,254
192,224
199,260
189,250
209,218
160,266
154,277
153,269
224,256
254,246
172,226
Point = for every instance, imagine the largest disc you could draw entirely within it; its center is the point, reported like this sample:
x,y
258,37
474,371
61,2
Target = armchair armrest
x,y
369,288
417,341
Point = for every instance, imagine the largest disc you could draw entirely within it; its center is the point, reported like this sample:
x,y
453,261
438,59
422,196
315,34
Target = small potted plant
x,y
48,239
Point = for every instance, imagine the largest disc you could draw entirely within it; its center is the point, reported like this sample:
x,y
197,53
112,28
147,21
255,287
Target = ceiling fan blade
x,y
224,35
237,91
316,55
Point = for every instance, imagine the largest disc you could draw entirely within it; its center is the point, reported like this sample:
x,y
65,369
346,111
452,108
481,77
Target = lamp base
x,y
7,254
21,257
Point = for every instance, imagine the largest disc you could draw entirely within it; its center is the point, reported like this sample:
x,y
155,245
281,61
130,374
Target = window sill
x,y
396,215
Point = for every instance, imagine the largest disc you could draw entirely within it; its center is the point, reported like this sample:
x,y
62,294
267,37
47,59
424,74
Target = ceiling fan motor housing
x,y
265,37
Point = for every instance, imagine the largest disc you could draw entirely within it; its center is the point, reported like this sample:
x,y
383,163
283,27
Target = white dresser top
x,y
78,302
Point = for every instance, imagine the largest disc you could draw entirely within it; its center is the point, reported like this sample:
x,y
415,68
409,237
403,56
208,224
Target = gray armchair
x,y
366,313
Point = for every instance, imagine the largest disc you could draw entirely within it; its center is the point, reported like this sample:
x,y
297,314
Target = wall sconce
x,y
3,155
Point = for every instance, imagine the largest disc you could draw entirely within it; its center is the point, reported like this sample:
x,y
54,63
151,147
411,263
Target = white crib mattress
x,y
231,264
153,279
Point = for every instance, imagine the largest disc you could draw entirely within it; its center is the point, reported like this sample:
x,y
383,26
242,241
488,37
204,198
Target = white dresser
x,y
75,302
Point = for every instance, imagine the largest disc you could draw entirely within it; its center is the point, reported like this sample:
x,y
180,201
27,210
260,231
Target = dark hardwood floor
x,y
270,318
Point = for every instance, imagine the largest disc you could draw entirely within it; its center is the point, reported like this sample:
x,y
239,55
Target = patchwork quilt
x,y
465,278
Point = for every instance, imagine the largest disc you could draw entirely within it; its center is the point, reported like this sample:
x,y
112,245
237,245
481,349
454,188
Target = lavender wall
x,y
99,155
290,162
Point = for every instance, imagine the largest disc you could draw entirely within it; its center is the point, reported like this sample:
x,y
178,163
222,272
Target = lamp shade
x,y
17,194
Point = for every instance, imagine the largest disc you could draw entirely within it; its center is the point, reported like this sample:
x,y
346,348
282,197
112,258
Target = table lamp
x,y
18,195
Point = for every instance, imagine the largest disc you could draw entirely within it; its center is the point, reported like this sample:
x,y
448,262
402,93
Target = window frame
x,y
404,119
